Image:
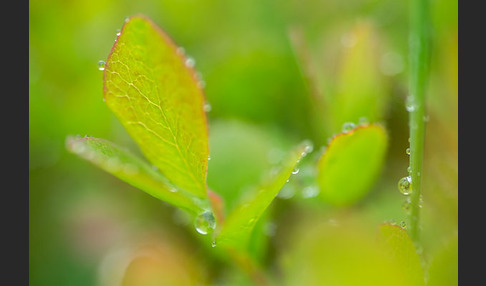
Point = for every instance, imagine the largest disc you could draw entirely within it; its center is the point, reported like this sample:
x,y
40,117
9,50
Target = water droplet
x,y
310,192
295,171
104,99
406,205
213,244
181,51
207,107
407,151
205,223
363,120
173,190
409,169
405,185
391,221
410,106
201,84
101,65
190,62
118,32
403,224
309,148
347,126
209,158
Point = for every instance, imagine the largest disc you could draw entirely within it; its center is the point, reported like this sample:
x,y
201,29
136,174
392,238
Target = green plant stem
x,y
416,105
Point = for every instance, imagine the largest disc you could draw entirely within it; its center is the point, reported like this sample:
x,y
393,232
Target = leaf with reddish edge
x,y
402,250
156,97
351,163
131,169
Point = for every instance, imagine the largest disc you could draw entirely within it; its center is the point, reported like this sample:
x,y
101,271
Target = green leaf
x,y
132,170
402,250
238,226
344,253
360,89
154,93
351,163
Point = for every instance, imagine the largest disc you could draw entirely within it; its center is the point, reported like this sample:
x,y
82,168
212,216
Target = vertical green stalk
x,y
416,104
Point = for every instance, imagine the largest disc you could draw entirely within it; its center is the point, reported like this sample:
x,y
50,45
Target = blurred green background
x,y
270,68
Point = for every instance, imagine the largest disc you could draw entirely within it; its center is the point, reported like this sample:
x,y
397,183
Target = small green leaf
x,y
132,170
402,250
360,89
237,227
351,163
153,90
344,253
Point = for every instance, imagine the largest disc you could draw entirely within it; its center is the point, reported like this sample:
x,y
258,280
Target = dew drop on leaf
x,y
181,51
101,65
403,224
363,120
347,126
205,222
201,84
190,62
407,151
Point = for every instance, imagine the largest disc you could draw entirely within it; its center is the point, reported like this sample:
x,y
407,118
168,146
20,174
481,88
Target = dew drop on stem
x,y
405,185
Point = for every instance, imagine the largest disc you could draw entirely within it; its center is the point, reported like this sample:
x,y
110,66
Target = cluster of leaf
x,y
152,88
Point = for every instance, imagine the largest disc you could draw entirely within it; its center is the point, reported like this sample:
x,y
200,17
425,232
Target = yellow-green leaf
x,y
131,169
153,90
360,89
402,250
351,163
